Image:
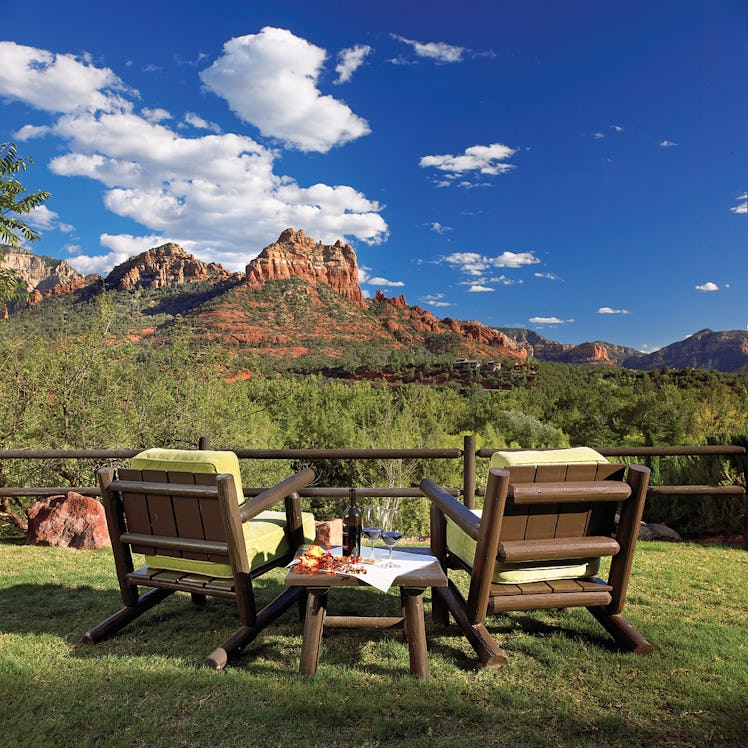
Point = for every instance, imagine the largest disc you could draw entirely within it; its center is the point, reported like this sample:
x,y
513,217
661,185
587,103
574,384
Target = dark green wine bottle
x,y
352,528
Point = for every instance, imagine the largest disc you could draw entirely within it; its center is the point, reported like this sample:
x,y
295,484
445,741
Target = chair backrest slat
x,y
197,517
556,518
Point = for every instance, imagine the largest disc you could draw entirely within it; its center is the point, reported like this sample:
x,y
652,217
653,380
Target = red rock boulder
x,y
70,521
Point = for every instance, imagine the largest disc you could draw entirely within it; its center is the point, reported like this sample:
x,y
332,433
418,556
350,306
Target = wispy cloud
x,y
707,287
155,115
484,160
196,121
610,310
741,207
439,228
668,144
475,264
437,51
435,300
548,321
278,68
548,276
478,288
350,60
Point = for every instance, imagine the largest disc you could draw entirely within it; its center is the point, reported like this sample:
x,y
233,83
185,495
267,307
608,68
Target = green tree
x,y
15,201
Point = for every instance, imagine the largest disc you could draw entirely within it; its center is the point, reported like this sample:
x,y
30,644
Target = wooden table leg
x,y
314,621
415,632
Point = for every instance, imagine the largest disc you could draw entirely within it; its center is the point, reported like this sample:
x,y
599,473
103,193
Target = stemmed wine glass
x,y
372,525
390,535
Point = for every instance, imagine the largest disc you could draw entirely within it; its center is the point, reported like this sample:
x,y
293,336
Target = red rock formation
x,y
166,265
296,255
413,322
71,521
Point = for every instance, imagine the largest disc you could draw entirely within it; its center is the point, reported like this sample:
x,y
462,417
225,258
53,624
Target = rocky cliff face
x,y
296,255
41,274
411,324
166,265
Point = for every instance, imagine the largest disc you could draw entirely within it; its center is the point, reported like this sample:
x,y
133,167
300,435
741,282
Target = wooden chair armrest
x,y
275,493
451,507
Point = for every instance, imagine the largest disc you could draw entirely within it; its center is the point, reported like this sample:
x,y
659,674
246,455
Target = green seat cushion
x,y
264,535
463,546
264,538
577,455
191,461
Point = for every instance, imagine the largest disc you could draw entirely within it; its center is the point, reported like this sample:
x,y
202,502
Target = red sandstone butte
x,y
296,255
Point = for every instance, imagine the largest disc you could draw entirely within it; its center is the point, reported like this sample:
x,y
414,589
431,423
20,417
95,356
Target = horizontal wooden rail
x,y
710,449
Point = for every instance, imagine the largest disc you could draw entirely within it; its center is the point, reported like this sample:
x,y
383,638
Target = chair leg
x,y
625,635
489,652
218,658
439,611
128,614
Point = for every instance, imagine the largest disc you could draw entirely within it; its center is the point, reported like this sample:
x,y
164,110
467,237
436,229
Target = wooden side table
x,y
412,585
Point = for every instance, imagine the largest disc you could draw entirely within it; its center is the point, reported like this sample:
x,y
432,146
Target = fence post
x,y
204,442
468,473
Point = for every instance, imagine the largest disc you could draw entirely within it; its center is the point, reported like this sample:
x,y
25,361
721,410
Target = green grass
x,y
564,685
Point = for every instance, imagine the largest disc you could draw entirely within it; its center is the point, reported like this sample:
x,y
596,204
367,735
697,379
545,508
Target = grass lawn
x,y
565,684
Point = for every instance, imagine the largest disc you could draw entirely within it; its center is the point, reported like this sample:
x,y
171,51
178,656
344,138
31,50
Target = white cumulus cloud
x,y
270,80
218,195
350,60
707,287
57,82
479,288
485,160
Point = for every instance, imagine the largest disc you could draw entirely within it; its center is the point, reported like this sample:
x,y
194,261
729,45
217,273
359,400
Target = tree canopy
x,y
15,202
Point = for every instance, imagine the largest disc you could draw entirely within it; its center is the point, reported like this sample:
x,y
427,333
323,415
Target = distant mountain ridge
x,y
724,351
300,297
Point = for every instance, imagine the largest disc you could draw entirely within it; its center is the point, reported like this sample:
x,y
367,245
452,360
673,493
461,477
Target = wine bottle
x,y
352,528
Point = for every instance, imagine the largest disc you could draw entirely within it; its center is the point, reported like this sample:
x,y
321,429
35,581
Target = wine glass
x,y
372,525
390,535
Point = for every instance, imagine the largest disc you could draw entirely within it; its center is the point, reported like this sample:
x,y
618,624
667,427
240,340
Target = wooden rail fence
x,y
469,455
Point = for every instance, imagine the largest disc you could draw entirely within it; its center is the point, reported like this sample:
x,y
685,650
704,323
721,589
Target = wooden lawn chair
x,y
182,510
538,542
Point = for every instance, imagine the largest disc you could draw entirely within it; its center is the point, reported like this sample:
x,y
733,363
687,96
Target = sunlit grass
x,y
565,684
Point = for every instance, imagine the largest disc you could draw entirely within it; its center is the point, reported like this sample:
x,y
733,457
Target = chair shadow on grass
x,y
175,628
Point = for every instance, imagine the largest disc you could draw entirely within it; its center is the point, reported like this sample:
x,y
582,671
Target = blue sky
x,y
578,168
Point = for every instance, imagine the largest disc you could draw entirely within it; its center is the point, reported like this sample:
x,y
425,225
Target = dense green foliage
x,y
81,386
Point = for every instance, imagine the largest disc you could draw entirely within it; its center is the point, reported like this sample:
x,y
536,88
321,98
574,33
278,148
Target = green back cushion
x,y
464,546
264,535
577,455
190,461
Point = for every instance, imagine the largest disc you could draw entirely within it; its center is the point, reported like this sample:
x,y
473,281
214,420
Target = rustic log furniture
x,y
537,544
194,519
412,585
